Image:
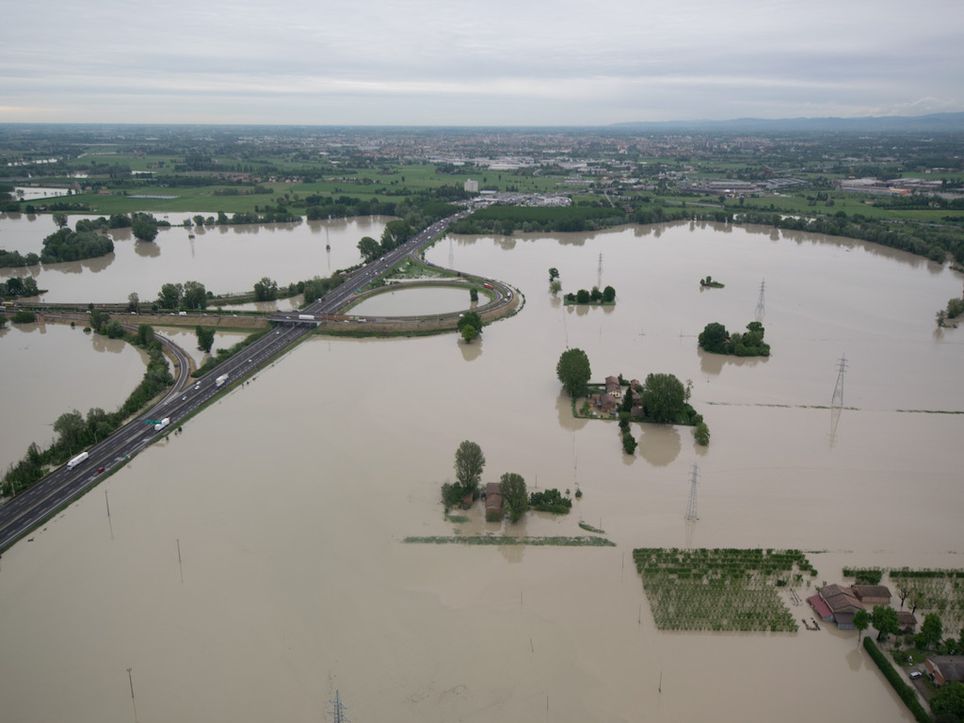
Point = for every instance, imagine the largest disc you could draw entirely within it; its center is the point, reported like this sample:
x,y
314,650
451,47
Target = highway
x,y
41,501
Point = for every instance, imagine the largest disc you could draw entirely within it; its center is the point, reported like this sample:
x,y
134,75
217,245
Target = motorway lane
x,y
42,500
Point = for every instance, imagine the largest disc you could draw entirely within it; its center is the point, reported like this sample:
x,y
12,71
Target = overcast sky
x,y
448,62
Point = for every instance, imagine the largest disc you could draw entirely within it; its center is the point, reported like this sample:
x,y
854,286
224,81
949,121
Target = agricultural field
x,y
938,591
720,589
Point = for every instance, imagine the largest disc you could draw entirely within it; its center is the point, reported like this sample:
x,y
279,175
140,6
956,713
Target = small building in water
x,y
493,502
843,604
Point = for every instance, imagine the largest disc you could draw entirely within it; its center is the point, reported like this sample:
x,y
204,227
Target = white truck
x,y
219,382
163,423
306,317
74,461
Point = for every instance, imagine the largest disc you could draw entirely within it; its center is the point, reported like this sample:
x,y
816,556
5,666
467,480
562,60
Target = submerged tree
x,y
514,495
573,371
469,462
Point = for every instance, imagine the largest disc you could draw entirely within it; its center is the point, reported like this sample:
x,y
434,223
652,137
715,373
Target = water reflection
x,y
714,363
566,418
660,444
470,350
150,250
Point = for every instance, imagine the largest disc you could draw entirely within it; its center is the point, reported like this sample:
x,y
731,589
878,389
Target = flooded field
x,y
187,340
50,369
289,499
415,302
225,259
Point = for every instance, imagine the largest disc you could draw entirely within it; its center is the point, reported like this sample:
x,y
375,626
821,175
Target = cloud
x,y
536,62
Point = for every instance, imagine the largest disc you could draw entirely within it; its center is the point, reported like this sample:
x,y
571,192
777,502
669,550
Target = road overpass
x,y
58,489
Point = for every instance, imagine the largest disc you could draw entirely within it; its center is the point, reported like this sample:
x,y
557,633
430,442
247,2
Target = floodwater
x,y
418,301
49,369
186,338
289,499
226,259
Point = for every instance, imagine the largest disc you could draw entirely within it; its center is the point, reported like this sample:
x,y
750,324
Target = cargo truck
x,y
74,461
306,317
163,423
219,382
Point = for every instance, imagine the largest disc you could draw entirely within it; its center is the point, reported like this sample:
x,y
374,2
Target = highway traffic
x,y
41,501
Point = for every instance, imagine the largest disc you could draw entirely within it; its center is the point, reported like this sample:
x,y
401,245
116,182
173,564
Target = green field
x,y
720,589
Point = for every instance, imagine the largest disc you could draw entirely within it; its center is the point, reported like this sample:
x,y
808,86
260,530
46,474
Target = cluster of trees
x,y
550,500
709,283
22,316
555,286
14,259
101,322
268,214
205,338
318,207
315,288
189,295
16,286
933,242
716,339
515,497
606,296
67,245
266,289
508,219
948,703
469,463
75,431
625,411
574,372
955,307
470,326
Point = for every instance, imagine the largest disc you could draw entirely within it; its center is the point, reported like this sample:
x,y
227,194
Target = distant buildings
x,y
471,186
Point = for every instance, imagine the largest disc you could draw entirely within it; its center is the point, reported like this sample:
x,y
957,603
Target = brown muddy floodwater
x,y
187,340
415,302
289,499
49,369
226,259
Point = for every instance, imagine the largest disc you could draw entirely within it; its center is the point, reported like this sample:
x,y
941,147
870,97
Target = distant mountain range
x,y
930,122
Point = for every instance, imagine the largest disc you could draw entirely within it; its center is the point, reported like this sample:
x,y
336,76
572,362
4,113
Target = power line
x,y
691,513
838,389
761,303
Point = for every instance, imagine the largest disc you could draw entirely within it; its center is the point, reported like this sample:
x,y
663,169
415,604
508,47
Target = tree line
x,y
75,432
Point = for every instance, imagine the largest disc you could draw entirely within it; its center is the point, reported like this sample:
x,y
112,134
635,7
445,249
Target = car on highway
x,y
101,469
197,386
184,398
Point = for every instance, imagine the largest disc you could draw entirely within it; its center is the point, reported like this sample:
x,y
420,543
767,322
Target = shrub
x,y
904,691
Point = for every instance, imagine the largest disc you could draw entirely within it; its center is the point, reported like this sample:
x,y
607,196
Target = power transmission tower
x,y
338,710
691,513
599,274
837,400
760,304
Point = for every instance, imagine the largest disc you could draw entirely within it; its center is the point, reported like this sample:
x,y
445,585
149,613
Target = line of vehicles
x,y
221,380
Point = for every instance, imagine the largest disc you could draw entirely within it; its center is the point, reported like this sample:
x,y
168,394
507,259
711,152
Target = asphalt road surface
x,y
38,503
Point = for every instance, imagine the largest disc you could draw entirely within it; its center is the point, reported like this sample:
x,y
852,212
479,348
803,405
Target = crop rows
x,y
720,589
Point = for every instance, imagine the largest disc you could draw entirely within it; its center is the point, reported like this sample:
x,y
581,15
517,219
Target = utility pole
x,y
338,710
599,274
761,304
130,679
691,514
837,399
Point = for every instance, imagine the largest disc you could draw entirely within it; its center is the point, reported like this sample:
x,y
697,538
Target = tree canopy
x,y
715,338
469,462
664,398
514,495
574,372
948,701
